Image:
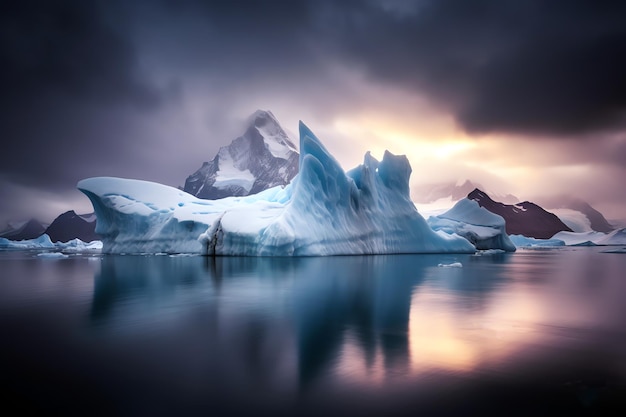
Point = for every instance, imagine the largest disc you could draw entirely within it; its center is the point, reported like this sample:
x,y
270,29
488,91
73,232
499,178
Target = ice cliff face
x,y
324,211
263,157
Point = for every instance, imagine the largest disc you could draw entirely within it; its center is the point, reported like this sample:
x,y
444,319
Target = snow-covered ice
x,y
580,239
616,237
522,241
451,265
52,255
482,228
323,211
44,242
77,245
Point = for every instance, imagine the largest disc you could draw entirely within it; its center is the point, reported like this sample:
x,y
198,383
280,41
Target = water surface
x,y
530,333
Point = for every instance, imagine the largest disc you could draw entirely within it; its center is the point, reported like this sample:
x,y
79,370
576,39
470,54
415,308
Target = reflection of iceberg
x,y
298,315
324,211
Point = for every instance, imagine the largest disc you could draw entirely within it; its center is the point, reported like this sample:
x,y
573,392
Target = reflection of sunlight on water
x,y
445,335
355,365
435,338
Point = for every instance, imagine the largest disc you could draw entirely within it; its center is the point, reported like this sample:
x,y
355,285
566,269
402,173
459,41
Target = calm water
x,y
531,333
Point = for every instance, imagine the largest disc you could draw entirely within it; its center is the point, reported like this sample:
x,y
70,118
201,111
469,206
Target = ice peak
x,y
311,145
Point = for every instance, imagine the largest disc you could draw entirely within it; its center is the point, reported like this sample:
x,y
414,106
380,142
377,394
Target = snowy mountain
x,y
30,229
526,218
579,215
263,157
453,192
323,211
70,225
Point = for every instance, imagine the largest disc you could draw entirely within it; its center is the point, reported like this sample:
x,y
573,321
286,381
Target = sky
x,y
524,97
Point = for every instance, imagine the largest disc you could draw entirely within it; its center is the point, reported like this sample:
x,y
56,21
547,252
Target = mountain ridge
x,y
263,157
525,218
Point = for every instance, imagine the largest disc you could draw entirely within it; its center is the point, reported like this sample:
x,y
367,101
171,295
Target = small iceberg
x,y
452,265
52,255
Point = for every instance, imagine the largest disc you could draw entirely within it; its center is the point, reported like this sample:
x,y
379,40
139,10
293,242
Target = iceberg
x,y
482,228
522,241
616,237
44,242
580,239
452,265
52,255
323,211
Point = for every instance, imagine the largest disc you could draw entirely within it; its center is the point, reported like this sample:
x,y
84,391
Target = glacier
x,y
484,229
323,211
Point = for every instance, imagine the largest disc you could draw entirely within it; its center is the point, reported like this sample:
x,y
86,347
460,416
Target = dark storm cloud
x,y
498,65
64,74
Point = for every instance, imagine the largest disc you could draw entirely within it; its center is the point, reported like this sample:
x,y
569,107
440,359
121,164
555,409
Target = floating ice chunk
x,y
452,265
484,229
324,211
52,255
489,252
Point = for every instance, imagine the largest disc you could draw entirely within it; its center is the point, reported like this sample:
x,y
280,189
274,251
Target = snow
x,y
276,141
228,175
324,211
482,228
574,219
522,241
